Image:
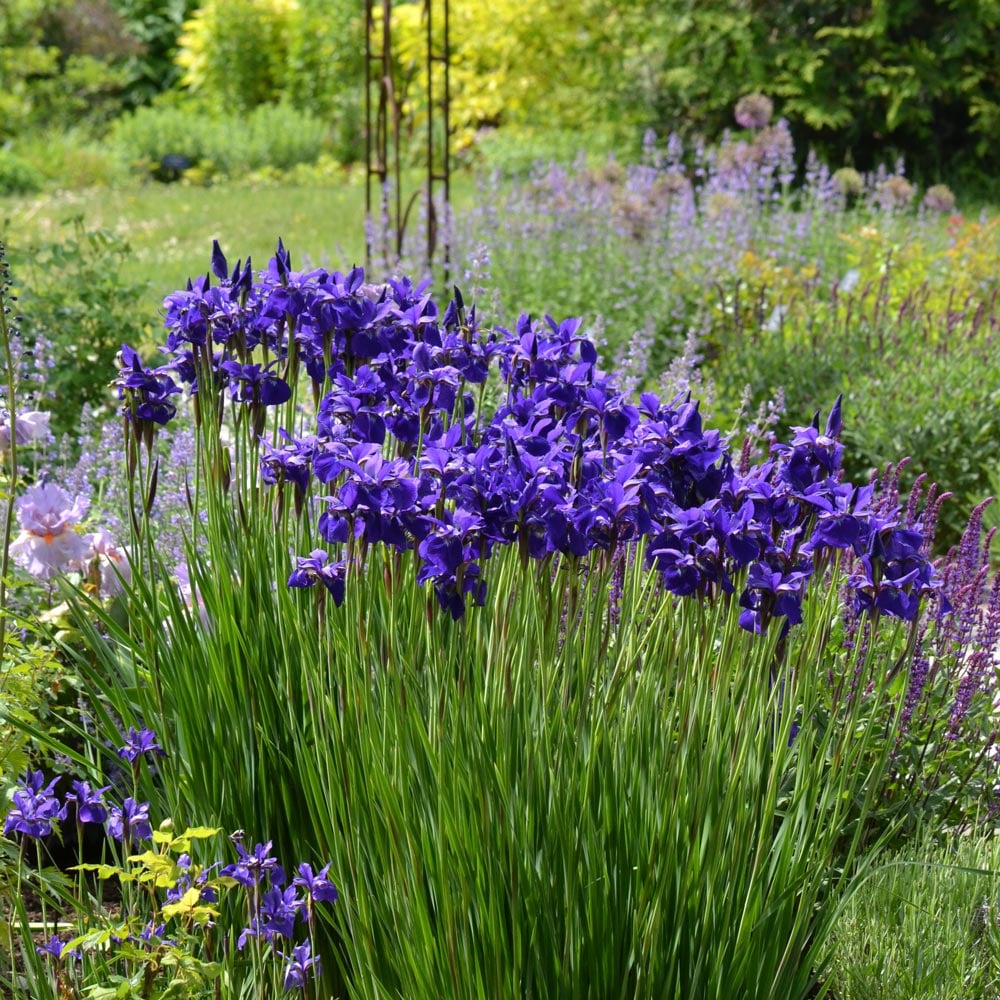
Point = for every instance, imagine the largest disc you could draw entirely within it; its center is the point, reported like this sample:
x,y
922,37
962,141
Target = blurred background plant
x,y
859,85
77,308
212,147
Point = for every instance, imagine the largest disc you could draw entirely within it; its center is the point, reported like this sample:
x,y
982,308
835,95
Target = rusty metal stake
x,y
385,97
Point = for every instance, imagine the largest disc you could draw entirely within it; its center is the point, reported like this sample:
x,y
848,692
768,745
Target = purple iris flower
x,y
812,456
316,568
36,807
317,886
131,822
773,593
90,804
152,930
148,389
300,966
184,882
253,865
252,930
48,542
565,464
288,463
278,910
139,742
56,948
52,947
187,315
892,576
256,384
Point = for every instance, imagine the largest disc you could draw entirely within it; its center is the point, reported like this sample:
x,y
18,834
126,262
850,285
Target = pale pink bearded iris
x,y
31,427
47,544
107,564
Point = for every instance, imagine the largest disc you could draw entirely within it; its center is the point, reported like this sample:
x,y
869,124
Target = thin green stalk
x,y
6,333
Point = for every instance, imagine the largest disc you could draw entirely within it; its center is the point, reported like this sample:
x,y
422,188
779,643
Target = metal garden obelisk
x,y
393,126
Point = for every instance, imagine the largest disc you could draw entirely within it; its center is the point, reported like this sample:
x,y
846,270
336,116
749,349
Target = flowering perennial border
x,y
406,455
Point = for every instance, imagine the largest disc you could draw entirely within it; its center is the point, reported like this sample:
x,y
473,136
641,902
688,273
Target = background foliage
x,y
861,83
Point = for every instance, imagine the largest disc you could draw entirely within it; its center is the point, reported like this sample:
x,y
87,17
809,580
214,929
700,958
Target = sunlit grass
x,y
170,228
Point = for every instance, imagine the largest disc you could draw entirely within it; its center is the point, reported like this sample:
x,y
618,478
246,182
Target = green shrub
x,y
156,25
61,65
324,70
16,175
236,50
308,54
941,407
70,160
77,309
515,150
271,135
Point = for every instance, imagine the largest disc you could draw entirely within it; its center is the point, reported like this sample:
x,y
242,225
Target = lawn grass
x,y
170,228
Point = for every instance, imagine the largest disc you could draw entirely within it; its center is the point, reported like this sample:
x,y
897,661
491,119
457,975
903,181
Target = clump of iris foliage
x,y
576,701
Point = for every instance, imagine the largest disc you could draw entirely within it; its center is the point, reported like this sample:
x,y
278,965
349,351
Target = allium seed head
x,y
754,111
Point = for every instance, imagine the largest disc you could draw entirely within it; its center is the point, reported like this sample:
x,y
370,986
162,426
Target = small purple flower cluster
x,y
37,810
273,906
566,465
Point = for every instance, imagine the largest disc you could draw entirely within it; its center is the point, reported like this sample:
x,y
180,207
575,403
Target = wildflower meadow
x,y
567,631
